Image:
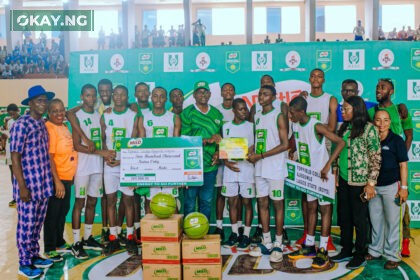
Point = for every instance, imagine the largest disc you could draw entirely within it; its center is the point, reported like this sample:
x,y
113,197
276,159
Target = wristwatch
x,y
404,187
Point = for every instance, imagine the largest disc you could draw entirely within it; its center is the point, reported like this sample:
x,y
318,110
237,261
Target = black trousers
x,y
56,218
352,214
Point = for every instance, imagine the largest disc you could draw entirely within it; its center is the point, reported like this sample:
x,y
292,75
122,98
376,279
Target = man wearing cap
x,y
32,182
202,119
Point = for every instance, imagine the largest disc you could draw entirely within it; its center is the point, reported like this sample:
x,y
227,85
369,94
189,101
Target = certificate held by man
x,y
169,161
233,148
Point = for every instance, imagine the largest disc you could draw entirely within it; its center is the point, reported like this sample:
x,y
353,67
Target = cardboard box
x,y
162,252
154,229
205,250
162,271
202,271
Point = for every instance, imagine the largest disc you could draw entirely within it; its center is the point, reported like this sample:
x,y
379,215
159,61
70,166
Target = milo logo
x,y
292,203
192,154
158,226
192,159
260,134
416,113
145,56
134,143
303,148
323,54
201,271
160,249
291,171
95,133
160,131
119,133
233,55
160,271
417,52
200,248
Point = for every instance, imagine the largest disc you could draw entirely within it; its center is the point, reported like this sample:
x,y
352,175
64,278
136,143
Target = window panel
x,y
340,19
290,20
206,18
397,16
260,20
273,20
235,17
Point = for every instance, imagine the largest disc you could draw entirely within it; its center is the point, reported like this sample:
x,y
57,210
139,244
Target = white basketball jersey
x,y
319,107
243,130
266,138
227,113
159,125
90,124
311,151
118,125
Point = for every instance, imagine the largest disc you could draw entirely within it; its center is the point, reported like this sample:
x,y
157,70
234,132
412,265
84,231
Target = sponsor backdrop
x,y
288,63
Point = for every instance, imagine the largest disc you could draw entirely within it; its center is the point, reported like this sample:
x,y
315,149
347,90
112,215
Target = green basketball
x,y
196,225
163,205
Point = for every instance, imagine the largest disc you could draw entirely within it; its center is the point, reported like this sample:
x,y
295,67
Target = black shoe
x,y
92,244
112,247
257,237
243,243
78,252
12,203
105,236
321,260
304,252
286,240
221,233
132,247
342,257
356,262
241,231
232,241
123,239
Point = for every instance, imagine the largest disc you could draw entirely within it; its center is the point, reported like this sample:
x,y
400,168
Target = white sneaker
x,y
276,252
261,249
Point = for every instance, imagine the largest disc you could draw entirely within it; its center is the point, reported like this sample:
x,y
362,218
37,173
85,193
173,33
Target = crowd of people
x,y
33,57
402,35
357,144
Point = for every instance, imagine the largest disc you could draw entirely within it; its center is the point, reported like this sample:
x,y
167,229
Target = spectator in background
x,y
137,35
267,40
359,31
279,39
410,34
161,37
381,34
172,36
145,37
417,34
402,34
181,36
392,35
101,39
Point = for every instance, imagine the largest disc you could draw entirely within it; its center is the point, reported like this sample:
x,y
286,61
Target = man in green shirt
x,y
202,119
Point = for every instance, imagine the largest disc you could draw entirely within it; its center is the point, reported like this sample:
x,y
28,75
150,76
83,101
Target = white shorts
x,y
321,202
90,185
267,187
219,176
231,189
8,154
112,184
155,190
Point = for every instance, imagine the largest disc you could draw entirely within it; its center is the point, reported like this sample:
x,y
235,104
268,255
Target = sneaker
x,y
276,254
304,252
54,256
221,233
330,245
137,236
243,243
92,244
257,237
78,251
261,249
112,247
241,231
105,236
342,257
122,239
232,241
12,203
321,260
286,240
301,240
356,262
29,271
132,247
65,248
39,262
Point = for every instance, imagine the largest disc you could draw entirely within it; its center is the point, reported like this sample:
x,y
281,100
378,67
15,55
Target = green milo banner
x,y
288,63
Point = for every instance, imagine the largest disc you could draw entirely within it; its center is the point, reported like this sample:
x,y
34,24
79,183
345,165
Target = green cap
x,y
201,84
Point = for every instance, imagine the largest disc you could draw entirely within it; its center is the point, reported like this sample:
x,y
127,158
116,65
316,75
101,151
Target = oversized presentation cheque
x,y
308,180
172,161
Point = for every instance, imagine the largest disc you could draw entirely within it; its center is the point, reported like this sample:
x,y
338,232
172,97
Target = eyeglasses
x,y
346,109
41,100
348,91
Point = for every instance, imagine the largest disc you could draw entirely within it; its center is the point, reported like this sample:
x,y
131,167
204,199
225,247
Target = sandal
x,y
391,265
